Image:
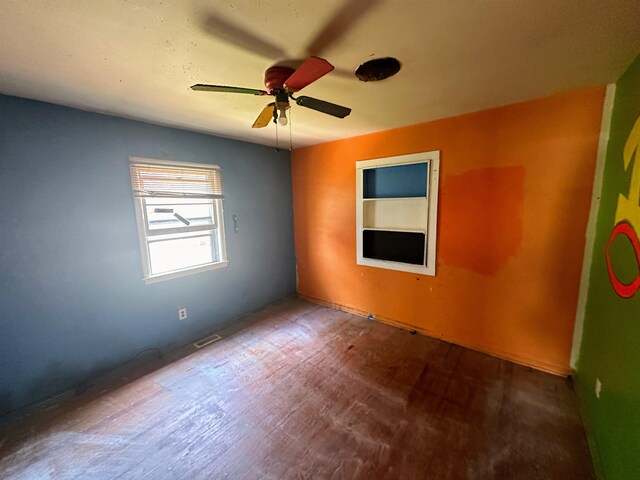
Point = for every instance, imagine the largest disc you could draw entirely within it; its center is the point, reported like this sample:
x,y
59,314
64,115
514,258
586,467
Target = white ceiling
x,y
137,58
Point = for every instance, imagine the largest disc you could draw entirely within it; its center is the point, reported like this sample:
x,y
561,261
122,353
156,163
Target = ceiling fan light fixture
x,y
377,69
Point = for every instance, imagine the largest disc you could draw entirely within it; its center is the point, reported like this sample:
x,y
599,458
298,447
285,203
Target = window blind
x,y
150,180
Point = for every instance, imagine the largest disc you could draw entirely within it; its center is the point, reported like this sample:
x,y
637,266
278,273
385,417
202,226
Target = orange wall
x,y
515,192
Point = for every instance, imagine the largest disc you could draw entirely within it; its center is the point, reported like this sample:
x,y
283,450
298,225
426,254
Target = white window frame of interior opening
x,y
142,229
432,158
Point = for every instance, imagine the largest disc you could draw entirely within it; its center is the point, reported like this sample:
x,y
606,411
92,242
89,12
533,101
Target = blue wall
x,y
72,299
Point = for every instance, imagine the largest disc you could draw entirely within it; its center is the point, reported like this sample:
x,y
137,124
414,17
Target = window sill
x,y
183,273
399,266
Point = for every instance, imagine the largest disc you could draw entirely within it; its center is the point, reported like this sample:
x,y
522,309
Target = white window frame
x,y
429,227
144,234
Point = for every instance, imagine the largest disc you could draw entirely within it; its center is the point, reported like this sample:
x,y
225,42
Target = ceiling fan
x,y
282,82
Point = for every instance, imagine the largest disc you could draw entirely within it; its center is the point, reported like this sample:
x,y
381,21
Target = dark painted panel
x,y
395,182
402,247
72,299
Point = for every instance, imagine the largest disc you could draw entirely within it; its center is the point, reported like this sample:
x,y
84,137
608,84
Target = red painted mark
x,y
623,289
481,218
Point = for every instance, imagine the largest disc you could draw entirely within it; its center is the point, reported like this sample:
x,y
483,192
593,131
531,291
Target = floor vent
x,y
203,342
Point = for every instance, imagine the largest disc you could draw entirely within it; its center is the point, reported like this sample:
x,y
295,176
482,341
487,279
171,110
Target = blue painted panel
x,y
395,182
72,299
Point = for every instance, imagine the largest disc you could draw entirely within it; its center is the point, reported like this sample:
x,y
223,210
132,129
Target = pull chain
x,y
290,138
277,145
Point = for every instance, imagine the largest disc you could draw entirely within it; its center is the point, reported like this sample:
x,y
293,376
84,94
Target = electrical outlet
x,y
182,313
598,387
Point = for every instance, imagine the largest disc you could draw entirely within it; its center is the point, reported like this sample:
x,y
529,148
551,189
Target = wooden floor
x,y
302,391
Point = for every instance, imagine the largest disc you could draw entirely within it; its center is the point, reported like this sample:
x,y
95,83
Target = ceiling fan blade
x,y
324,107
236,35
201,87
343,21
311,70
266,115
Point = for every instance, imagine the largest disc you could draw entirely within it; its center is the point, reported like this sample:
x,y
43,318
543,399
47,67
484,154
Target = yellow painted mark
x,y
629,207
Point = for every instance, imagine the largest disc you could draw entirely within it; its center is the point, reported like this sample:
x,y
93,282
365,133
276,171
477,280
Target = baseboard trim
x,y
170,353
561,371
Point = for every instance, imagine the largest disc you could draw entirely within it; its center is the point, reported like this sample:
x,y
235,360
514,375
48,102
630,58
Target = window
x,y
180,219
396,212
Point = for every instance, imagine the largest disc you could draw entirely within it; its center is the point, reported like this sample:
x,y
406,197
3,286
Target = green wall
x,y
610,347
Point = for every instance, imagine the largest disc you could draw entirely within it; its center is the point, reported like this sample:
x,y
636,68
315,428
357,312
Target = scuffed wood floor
x,y
302,391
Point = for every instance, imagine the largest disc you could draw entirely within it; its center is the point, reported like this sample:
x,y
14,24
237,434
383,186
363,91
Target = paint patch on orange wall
x,y
507,275
486,205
